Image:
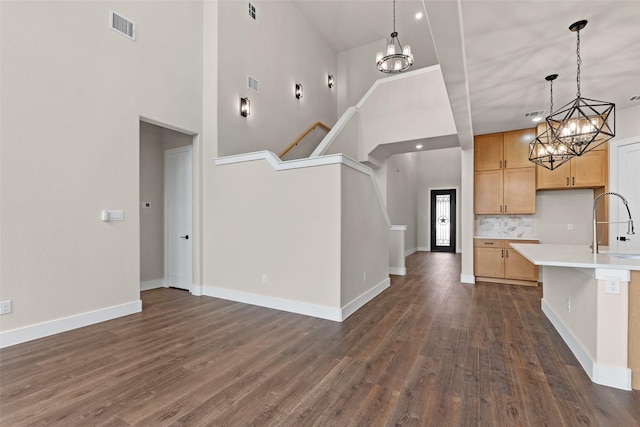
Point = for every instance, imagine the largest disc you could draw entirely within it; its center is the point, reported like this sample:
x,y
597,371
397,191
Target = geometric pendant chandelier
x,y
546,150
397,58
583,124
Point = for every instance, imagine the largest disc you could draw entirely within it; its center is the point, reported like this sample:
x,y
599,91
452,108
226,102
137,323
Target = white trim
x,y
332,159
335,131
147,285
398,228
398,271
612,376
410,252
196,290
468,278
357,303
298,307
45,329
424,249
578,350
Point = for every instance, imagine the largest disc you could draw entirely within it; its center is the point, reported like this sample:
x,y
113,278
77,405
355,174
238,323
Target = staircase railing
x,y
302,136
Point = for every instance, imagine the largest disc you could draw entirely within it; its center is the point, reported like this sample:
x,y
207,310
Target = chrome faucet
x,y
630,229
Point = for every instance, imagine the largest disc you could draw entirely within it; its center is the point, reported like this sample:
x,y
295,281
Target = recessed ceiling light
x,y
419,15
419,146
537,119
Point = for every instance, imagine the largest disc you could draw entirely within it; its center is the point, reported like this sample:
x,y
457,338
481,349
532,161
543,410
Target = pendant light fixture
x,y
398,58
546,150
583,124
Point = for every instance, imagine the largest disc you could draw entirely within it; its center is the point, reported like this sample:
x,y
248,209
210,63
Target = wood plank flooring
x,y
427,351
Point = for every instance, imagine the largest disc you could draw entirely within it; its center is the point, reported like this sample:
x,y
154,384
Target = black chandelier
x,y
582,124
546,150
396,60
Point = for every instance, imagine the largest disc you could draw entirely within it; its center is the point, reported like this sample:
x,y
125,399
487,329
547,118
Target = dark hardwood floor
x,y
427,351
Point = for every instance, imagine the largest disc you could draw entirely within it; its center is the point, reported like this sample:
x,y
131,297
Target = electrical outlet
x,y
570,227
364,277
264,279
613,285
6,307
569,305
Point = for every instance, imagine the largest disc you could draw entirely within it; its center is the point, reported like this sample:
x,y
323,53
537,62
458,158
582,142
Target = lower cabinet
x,y
495,261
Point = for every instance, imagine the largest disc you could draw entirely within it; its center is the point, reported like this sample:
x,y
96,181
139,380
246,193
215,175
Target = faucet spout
x,y
630,228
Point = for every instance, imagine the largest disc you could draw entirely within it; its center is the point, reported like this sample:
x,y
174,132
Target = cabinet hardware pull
x,y
503,253
507,251
500,208
567,181
505,164
573,180
500,164
488,243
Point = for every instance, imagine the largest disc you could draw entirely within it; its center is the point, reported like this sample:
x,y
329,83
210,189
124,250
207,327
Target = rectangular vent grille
x,y
252,83
123,26
253,12
534,113
635,98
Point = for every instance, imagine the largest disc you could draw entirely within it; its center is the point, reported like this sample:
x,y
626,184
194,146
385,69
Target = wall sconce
x,y
298,90
245,107
330,81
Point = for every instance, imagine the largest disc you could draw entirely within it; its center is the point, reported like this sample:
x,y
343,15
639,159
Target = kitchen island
x,y
593,301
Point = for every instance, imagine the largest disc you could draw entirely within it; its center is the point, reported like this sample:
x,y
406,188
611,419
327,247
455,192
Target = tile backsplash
x,y
504,226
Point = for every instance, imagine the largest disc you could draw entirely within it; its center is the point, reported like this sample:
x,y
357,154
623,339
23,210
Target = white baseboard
x,y
468,278
612,376
147,285
424,249
298,307
410,252
40,330
354,305
196,290
398,271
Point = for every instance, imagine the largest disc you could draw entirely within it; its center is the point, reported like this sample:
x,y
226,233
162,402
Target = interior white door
x,y
628,171
178,217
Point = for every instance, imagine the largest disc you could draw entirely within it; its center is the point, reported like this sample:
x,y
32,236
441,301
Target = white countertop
x,y
506,238
574,256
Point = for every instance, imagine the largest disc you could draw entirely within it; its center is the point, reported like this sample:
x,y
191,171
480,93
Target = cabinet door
x,y
518,267
516,148
487,151
553,179
488,190
489,262
519,191
590,169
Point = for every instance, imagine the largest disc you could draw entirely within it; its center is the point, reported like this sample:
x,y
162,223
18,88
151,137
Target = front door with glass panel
x,y
443,220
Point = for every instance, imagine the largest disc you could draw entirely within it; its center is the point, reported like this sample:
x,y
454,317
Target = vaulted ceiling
x,y
495,54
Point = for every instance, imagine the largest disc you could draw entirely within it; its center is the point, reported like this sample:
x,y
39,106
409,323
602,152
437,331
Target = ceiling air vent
x,y
635,98
532,114
253,12
252,83
122,25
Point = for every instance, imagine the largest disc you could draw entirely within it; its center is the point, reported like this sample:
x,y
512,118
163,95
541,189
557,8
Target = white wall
x,y
437,169
73,91
555,210
280,50
402,180
356,73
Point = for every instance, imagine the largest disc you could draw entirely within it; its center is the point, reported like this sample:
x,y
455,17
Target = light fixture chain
x,y
551,106
394,16
579,62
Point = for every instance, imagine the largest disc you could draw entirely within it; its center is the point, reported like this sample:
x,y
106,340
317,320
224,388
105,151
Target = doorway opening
x,y
443,220
166,192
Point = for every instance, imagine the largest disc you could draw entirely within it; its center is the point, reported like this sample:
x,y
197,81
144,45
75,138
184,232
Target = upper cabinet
x,y
504,150
586,171
504,179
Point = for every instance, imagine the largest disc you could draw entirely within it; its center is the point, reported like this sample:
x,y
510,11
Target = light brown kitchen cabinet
x,y
504,179
503,150
495,261
508,191
586,171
